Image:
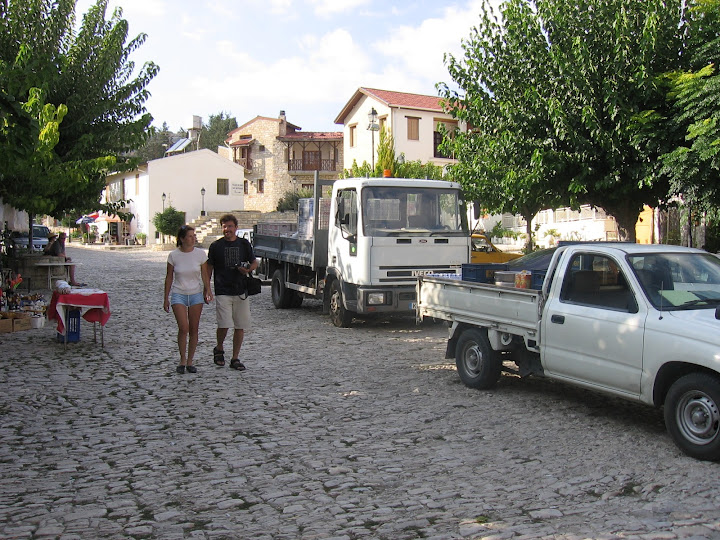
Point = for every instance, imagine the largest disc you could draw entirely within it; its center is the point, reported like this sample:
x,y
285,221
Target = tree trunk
x,y
31,219
626,216
528,231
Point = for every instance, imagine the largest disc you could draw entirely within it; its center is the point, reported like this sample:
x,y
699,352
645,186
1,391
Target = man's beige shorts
x,y
232,312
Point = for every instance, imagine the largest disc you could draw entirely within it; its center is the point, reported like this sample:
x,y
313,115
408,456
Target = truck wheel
x,y
692,415
296,300
477,363
280,294
339,316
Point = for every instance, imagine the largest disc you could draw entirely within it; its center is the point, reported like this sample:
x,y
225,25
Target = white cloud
x,y
324,8
418,50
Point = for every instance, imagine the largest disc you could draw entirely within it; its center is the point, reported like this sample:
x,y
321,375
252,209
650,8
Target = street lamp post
x,y
373,127
202,192
163,198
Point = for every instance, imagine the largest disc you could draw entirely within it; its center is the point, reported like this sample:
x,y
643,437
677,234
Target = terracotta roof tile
x,y
313,135
404,99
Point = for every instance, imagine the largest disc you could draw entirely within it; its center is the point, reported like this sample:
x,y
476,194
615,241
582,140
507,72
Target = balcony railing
x,y
312,165
245,162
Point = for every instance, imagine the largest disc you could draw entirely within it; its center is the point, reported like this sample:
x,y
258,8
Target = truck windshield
x,y
396,211
674,281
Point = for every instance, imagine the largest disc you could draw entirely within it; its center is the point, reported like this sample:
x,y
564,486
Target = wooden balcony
x,y
298,165
245,162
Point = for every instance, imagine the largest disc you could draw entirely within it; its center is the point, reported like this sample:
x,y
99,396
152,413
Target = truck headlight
x,y
375,299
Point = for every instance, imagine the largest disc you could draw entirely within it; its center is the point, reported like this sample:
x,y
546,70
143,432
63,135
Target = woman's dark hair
x,y
182,233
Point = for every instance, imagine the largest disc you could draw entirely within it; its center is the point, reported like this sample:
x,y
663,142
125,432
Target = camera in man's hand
x,y
245,265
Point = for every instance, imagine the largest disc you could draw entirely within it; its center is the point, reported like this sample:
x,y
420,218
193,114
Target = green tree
x,y
551,92
75,111
685,132
398,167
169,221
214,133
157,143
386,160
289,201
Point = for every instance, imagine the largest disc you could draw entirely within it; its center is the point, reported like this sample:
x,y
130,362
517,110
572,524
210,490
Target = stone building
x,y
278,158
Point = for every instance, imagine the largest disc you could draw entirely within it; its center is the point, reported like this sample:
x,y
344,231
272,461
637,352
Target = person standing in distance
x,y
187,286
231,260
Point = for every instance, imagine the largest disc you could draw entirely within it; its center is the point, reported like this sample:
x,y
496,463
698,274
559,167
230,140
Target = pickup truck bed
x,y
505,309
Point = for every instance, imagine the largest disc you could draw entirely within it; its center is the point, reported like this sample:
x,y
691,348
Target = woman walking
x,y
187,286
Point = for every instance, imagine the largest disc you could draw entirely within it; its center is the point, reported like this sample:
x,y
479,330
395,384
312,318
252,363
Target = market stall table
x,y
94,302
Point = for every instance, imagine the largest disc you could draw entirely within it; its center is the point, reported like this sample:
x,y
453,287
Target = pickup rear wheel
x,y
692,415
478,365
280,294
339,316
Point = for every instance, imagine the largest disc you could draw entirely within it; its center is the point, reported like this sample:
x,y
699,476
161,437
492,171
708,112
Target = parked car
x,y
537,260
484,251
40,238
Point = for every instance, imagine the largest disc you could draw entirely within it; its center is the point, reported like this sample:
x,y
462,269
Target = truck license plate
x,y
412,305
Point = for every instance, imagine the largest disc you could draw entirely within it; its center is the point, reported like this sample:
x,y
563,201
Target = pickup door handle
x,y
558,319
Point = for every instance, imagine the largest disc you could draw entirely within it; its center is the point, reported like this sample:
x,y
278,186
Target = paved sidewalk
x,y
331,433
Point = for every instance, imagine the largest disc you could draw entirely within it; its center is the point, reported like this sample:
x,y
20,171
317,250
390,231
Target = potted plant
x,y
141,238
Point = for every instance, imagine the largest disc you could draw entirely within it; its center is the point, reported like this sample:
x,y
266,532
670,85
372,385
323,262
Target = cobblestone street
x,y
364,432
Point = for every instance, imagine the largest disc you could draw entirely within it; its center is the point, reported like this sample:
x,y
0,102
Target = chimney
x,y
283,124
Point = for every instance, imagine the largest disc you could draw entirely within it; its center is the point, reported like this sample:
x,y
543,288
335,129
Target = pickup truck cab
x,y
636,321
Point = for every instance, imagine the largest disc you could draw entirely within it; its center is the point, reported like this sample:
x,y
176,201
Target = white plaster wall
x,y
181,178
17,220
396,121
362,151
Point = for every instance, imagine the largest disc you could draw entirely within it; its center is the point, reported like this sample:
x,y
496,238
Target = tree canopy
x,y
216,130
550,91
72,105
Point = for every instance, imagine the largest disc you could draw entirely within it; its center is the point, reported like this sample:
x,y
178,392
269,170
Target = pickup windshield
x,y
675,281
397,211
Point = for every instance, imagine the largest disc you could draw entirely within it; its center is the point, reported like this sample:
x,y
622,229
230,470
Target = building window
x,y
437,139
383,122
245,187
413,128
308,187
262,147
451,128
223,186
261,185
353,136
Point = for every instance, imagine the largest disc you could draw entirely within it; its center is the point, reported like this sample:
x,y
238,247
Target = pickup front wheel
x,y
478,365
692,415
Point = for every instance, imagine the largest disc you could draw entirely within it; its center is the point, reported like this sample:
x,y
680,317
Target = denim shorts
x,y
187,299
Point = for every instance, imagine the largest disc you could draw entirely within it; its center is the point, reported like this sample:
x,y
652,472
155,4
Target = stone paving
x,y
331,433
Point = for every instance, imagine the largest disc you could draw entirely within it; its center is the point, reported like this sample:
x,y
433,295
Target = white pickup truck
x,y
637,321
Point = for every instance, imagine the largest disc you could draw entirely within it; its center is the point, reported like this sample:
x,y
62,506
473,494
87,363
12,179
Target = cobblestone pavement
x,y
364,432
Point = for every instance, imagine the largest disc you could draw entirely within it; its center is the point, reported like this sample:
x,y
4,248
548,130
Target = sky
x,y
253,58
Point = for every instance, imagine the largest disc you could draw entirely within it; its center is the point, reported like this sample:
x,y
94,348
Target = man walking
x,y
231,259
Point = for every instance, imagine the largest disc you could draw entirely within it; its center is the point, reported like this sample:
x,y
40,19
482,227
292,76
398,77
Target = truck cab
x,y
364,245
386,233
